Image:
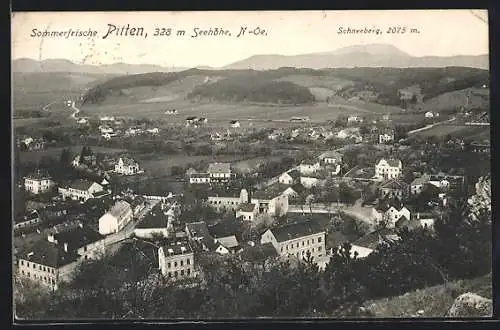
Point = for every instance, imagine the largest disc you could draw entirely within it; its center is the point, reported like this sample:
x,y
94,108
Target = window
x,y
182,272
53,271
281,249
169,265
175,264
169,274
22,272
53,281
22,263
29,275
313,250
287,246
319,239
303,243
319,248
303,252
182,263
85,248
34,266
188,261
297,245
175,274
44,268
188,271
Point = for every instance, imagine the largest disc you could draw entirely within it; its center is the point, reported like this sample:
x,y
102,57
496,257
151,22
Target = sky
x,y
441,33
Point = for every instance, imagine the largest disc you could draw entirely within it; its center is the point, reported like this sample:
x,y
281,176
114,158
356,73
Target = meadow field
x,y
36,155
456,131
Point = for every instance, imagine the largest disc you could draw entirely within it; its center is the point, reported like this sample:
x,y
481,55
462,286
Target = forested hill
x,y
293,85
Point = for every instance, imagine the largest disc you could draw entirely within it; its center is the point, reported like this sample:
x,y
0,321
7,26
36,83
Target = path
x,y
431,126
46,107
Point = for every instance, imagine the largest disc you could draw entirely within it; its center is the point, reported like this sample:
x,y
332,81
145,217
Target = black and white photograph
x,y
251,164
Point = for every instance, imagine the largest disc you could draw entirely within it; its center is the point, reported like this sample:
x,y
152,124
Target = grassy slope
x,y
434,301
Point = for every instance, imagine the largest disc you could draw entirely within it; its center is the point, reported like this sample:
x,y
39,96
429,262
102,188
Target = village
x,y
363,188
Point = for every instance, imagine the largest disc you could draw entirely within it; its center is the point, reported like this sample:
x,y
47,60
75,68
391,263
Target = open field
x,y
36,155
453,130
162,165
248,165
226,112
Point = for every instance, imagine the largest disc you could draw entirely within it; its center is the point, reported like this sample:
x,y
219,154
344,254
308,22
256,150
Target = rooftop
x,y
119,209
199,175
83,185
38,175
296,230
330,154
247,207
229,241
394,184
392,162
49,254
258,252
294,174
154,219
198,229
128,161
219,168
77,237
421,180
373,239
176,249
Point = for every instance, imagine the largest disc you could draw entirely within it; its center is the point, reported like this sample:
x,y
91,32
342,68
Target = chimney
x,y
65,247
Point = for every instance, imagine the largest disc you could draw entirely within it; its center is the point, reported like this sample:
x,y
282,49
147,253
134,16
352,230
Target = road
x,y
46,107
75,109
431,126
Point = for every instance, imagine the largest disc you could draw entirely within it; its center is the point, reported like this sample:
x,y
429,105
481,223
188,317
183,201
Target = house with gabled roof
x,y
331,157
309,166
53,260
418,184
394,189
220,171
116,218
252,254
295,240
247,211
81,190
365,245
388,212
289,177
388,169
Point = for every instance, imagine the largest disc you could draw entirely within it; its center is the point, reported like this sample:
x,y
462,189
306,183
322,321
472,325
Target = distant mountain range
x,y
373,55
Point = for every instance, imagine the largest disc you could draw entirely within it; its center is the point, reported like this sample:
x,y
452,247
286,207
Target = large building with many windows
x,y
38,183
53,260
176,261
297,239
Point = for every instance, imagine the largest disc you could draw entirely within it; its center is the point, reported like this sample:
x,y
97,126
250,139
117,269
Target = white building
x,y
105,129
81,190
331,158
82,121
127,166
386,137
430,114
289,177
220,171
247,211
234,123
389,215
38,183
388,169
309,181
176,261
296,239
199,178
365,245
309,167
116,218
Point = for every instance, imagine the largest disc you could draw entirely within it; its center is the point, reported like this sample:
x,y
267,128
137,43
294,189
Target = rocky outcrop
x,y
481,200
471,305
